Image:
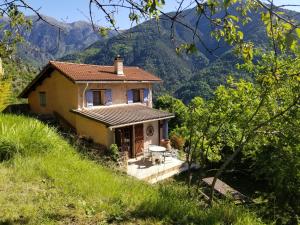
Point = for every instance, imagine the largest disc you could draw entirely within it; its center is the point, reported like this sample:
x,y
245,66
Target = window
x,y
136,95
146,95
42,96
96,98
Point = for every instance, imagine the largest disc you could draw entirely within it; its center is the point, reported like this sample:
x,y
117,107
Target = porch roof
x,y
125,115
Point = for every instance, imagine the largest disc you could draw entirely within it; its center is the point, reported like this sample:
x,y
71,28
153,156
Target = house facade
x,y
109,104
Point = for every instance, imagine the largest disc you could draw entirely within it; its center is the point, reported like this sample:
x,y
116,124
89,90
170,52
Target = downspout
x,y
83,96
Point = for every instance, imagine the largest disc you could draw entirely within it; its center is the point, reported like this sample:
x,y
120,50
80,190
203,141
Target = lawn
x,y
44,180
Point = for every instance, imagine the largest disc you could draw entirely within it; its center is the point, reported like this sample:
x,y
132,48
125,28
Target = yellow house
x,y
109,104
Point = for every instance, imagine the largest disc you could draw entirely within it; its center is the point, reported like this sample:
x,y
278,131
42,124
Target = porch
x,y
132,127
154,172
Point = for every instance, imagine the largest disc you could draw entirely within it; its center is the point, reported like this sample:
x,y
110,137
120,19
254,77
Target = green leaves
x,y
134,17
227,3
297,30
152,7
188,48
12,33
104,31
5,89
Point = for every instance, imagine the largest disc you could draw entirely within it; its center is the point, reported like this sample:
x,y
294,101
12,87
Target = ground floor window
x,y
42,96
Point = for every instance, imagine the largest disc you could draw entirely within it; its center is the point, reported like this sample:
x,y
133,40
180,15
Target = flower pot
x,y
166,143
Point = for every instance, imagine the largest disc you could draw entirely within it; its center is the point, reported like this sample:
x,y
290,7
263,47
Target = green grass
x,y
43,180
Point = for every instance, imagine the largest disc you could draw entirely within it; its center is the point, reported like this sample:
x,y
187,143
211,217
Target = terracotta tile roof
x,y
87,72
115,116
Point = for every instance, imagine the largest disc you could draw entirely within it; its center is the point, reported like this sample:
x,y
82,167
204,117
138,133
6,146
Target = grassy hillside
x,y
43,180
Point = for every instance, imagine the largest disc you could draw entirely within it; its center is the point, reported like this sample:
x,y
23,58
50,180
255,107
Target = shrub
x,y
177,141
7,149
114,152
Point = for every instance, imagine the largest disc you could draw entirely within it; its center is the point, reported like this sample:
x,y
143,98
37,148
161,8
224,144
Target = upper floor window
x,y
137,95
98,97
42,96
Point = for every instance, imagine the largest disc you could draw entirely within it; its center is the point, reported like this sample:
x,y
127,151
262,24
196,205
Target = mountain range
x,y
149,46
53,39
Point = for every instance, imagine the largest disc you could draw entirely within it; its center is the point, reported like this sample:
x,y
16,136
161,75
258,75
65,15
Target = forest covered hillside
x,y
149,46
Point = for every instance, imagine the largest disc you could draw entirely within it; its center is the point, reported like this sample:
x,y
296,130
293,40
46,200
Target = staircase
x,y
154,173
165,174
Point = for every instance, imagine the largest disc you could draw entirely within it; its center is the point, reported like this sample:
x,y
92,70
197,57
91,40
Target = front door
x,y
123,137
139,139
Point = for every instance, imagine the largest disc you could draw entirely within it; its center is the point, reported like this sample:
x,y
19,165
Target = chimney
x,y
118,64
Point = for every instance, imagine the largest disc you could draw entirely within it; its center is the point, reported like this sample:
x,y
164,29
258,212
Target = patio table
x,y
156,149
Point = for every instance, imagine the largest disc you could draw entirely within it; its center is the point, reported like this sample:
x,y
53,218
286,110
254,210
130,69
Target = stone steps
x,y
165,174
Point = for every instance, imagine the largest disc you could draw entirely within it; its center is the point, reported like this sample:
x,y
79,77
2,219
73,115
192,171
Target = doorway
x,y
139,139
123,139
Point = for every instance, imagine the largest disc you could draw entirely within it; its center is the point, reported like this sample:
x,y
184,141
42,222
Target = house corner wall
x,y
61,97
94,130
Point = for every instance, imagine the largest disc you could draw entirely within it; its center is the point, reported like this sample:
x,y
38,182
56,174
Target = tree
x,y
240,113
11,35
173,105
244,111
5,88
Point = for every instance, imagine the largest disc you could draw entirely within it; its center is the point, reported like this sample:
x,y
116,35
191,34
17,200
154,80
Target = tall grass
x,y
43,180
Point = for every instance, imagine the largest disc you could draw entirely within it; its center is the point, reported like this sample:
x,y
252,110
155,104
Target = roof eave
x,y
25,92
110,126
39,78
117,81
144,121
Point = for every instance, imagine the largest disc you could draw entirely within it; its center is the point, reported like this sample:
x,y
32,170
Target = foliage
x,y
114,152
242,118
11,32
5,89
10,37
49,182
15,78
20,75
173,105
279,167
177,141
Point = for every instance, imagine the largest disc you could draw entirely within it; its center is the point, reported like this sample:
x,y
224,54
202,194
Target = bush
x,y
114,152
7,150
177,141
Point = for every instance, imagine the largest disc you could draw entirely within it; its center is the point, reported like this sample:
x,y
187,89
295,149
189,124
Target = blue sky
x,y
74,10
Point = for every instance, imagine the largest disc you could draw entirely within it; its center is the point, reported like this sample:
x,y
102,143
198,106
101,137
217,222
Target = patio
x,y
154,172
